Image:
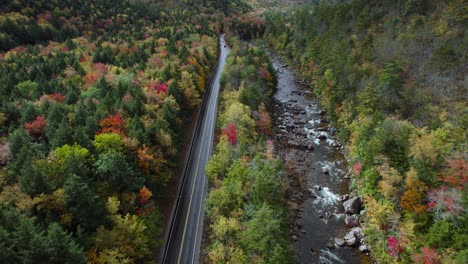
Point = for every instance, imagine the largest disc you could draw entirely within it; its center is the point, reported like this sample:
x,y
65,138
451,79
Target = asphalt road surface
x,y
183,245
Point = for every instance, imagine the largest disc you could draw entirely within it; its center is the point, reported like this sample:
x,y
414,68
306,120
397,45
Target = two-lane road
x,y
183,245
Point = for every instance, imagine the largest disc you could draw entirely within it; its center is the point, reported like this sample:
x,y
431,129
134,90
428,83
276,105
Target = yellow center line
x,y
193,188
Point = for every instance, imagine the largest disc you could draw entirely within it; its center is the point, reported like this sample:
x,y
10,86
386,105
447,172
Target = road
x,y
183,245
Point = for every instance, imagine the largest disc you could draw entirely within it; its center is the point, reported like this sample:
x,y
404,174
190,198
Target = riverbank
x,y
317,173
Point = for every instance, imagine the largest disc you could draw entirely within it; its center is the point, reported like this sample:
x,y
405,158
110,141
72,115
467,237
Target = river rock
x,y
350,239
353,205
354,236
322,112
294,206
339,241
322,136
299,223
351,220
336,145
310,147
294,237
293,144
300,122
363,248
343,197
322,128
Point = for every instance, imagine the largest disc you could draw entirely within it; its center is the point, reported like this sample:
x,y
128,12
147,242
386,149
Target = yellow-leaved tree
x,y
239,114
125,242
415,190
190,90
390,183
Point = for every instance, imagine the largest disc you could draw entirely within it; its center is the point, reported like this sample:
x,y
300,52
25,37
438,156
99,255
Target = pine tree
x,y
61,248
84,204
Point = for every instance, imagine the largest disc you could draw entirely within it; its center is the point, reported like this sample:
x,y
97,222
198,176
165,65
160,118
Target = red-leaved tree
x,y
456,174
57,97
231,132
263,120
36,128
393,247
157,87
357,168
113,124
446,203
146,206
427,256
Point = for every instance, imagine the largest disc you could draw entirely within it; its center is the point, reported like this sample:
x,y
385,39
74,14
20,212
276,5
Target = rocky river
x,y
318,177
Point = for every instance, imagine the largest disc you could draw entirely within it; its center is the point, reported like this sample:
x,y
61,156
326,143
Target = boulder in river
x,y
293,144
310,147
351,220
299,223
322,136
339,241
353,205
354,236
343,197
350,239
363,248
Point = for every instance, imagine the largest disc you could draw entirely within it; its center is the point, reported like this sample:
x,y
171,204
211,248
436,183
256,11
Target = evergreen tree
x,y
87,209
61,248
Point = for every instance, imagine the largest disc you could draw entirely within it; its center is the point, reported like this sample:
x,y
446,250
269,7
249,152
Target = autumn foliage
x,y
231,132
393,246
413,198
146,206
456,174
263,120
57,97
149,161
36,128
157,87
113,124
93,107
427,256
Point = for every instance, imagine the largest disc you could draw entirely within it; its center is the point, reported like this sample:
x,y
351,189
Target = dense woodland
x,y
392,75
95,99
245,206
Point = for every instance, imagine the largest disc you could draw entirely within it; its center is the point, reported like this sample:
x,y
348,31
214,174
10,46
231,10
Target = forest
x,y
98,97
245,206
96,100
392,77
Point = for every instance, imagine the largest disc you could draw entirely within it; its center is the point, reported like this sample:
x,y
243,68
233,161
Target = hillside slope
x,y
392,75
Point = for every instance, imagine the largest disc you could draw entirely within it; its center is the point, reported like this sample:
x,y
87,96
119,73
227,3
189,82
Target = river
x,y
317,172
